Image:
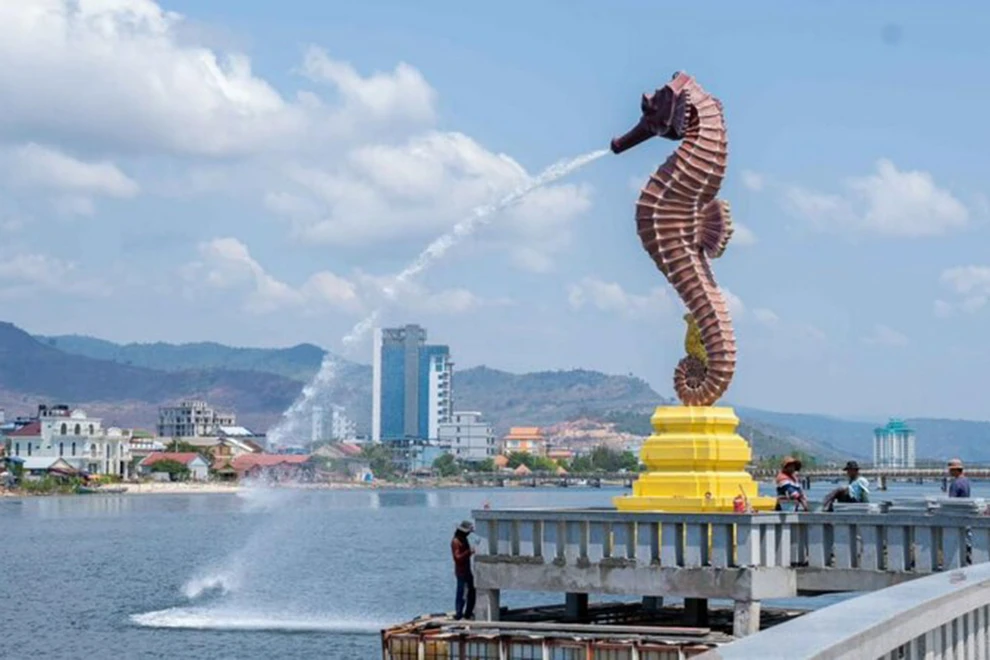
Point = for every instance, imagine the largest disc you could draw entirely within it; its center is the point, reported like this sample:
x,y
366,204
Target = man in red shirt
x,y
461,550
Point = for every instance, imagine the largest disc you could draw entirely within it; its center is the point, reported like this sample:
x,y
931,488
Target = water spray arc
x,y
291,422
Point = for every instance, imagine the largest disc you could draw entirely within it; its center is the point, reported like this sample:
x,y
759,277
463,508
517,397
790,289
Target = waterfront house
x,y
199,469
220,449
58,432
37,467
274,467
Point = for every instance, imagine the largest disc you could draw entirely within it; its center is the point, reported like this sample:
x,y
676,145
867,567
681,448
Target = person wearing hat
x,y
789,485
960,484
857,490
461,549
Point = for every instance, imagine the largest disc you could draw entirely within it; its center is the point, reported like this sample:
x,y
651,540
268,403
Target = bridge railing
x,y
899,543
589,536
946,615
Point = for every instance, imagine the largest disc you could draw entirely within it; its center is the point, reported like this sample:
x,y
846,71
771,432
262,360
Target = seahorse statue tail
x,y
702,381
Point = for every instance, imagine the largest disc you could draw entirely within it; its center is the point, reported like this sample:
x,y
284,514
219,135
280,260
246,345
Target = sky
x,y
256,173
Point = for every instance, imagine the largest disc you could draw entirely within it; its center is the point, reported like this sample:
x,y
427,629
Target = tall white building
x,y
467,437
894,445
192,419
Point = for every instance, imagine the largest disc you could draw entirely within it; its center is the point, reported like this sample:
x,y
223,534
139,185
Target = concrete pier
x,y
745,558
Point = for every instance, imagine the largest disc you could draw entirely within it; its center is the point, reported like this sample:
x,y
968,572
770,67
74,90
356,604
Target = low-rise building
x,y
467,437
525,440
192,419
199,469
274,467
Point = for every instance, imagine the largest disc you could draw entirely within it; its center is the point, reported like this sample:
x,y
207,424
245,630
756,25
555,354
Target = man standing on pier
x,y
959,486
461,549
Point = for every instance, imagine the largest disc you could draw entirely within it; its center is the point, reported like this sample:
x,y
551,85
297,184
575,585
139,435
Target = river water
x,y
258,574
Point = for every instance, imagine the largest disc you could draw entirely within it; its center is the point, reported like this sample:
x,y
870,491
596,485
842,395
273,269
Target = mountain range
x,y
125,384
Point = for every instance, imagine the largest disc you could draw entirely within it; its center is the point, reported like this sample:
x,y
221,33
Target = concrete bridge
x,y
593,479
747,559
924,473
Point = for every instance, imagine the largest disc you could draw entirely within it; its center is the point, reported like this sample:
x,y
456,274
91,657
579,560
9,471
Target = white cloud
x,y
227,264
361,165
971,286
752,180
403,93
888,202
611,297
33,165
883,335
133,81
27,274
766,316
423,187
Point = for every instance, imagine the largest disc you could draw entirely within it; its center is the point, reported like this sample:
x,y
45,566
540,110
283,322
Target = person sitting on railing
x,y
959,486
789,485
857,490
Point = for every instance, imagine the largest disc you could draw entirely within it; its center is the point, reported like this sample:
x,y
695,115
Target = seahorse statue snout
x,y
683,225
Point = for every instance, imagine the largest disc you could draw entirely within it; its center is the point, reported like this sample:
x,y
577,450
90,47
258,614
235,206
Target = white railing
x,y
946,615
893,543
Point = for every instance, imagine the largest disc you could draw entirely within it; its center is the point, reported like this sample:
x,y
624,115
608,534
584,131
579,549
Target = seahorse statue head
x,y
665,114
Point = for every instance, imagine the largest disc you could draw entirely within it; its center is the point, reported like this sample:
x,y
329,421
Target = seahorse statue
x,y
683,225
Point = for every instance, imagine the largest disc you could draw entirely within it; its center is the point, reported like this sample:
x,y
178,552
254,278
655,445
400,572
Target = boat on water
x,y
96,490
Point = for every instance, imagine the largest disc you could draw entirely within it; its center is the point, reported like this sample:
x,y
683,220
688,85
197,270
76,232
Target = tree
x,y
487,465
379,460
176,470
446,465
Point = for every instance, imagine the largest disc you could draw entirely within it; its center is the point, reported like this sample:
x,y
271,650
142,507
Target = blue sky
x,y
253,172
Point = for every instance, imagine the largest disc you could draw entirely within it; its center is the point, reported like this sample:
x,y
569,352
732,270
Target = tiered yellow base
x,y
696,462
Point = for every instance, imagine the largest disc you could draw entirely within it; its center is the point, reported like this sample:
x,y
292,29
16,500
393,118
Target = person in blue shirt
x,y
959,486
857,490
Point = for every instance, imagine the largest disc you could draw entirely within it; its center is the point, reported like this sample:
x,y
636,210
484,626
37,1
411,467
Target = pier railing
x,y
897,543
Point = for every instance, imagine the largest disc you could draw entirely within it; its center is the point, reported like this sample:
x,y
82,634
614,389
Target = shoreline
x,y
212,488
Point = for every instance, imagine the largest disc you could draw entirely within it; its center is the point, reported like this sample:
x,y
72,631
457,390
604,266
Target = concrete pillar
x,y
696,612
576,606
652,603
745,618
487,605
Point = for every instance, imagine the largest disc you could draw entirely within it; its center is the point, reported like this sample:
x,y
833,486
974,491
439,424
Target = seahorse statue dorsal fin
x,y
714,228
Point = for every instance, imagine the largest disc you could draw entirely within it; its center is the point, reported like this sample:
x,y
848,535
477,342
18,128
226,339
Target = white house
x,y
199,469
58,432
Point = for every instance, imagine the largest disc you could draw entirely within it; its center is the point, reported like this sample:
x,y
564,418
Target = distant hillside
x,y
131,380
33,372
765,439
299,362
548,397
936,438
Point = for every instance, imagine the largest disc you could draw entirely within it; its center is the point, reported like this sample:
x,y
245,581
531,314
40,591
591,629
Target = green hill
x,y
297,362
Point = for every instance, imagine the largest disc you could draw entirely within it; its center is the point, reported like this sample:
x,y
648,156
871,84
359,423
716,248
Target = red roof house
x,y
277,466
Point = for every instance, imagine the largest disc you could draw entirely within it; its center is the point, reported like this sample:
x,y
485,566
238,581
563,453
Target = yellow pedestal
x,y
696,464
